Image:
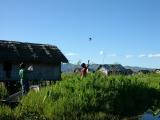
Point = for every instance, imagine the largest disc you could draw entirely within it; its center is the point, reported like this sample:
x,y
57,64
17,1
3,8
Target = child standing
x,y
23,78
84,69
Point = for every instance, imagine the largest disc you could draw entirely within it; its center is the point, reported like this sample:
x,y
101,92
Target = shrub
x,y
3,91
30,107
6,113
95,96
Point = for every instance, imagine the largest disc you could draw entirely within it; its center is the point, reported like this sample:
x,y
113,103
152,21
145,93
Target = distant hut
x,y
109,69
117,69
46,60
129,72
77,70
144,71
157,71
104,69
93,68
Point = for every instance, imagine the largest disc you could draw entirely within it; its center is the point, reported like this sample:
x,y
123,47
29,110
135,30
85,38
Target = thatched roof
x,y
112,67
30,52
117,67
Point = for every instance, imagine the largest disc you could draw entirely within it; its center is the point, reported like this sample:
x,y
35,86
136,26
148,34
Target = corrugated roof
x,y
30,52
112,67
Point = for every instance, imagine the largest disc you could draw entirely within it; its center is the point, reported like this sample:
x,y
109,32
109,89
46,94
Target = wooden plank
x,y
14,98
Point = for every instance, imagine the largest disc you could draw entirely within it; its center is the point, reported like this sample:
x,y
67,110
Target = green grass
x,y
6,113
94,97
3,91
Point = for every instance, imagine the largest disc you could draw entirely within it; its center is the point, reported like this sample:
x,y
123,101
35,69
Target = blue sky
x,y
122,31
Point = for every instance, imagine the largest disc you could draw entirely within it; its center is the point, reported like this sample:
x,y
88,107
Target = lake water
x,y
150,116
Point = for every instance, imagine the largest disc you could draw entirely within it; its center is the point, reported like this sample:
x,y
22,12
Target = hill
x,y
70,67
136,69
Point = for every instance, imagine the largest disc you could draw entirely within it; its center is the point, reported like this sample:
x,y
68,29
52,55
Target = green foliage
x,y
31,107
3,91
96,97
6,113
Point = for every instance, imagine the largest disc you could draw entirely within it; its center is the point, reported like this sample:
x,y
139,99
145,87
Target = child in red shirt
x,y
84,69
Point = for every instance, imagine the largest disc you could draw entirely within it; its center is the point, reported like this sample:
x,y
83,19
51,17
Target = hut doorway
x,y
7,67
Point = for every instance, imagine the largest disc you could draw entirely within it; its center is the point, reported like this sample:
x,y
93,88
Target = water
x,y
149,116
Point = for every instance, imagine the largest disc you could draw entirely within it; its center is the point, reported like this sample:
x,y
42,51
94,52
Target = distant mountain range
x,y
136,69
70,67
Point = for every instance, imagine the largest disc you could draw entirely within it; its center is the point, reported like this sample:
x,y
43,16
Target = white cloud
x,y
141,55
101,52
154,55
71,54
129,56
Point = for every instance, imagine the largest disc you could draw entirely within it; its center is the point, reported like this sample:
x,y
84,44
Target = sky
x,y
122,31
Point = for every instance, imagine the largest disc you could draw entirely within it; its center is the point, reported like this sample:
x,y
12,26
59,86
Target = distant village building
x,y
112,69
77,70
144,71
104,69
129,72
157,71
117,69
45,59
